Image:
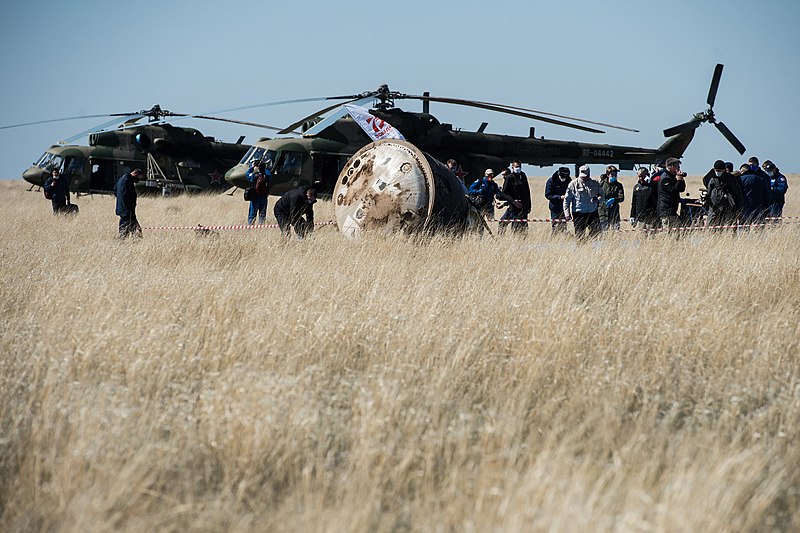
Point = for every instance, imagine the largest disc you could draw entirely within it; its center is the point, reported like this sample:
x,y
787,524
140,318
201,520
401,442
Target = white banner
x,y
375,127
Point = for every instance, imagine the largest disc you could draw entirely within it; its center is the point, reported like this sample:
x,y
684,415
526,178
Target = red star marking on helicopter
x,y
215,176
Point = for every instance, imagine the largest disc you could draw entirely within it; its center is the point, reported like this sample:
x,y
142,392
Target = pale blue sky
x,y
640,64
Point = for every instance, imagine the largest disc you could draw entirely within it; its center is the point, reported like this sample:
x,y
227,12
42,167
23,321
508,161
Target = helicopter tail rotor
x,y
708,116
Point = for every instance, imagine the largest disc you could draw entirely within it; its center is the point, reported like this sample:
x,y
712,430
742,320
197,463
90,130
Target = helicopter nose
x,y
34,176
237,176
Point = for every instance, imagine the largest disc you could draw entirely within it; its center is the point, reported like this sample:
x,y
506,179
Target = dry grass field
x,y
240,382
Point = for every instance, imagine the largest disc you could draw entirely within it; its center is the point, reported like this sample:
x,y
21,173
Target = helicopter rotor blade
x,y
712,90
333,117
99,127
59,120
315,114
233,121
558,116
683,128
499,109
723,129
267,104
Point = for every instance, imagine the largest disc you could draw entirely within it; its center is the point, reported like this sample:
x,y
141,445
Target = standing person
x,y
258,176
125,192
482,193
292,207
517,193
670,186
756,190
580,203
643,202
615,195
555,190
723,196
57,189
778,187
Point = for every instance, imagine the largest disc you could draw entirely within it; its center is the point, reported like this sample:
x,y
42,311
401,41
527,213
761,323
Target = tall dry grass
x,y
239,382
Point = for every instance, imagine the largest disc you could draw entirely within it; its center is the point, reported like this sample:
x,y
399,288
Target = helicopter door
x,y
73,170
103,176
326,171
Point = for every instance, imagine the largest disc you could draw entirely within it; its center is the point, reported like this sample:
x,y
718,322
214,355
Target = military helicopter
x,y
175,158
318,156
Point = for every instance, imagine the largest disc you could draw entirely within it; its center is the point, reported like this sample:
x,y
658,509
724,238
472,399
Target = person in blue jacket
x,y
125,192
755,190
482,192
777,189
555,190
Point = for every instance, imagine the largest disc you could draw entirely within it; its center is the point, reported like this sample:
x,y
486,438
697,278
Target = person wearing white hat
x,y
482,193
583,197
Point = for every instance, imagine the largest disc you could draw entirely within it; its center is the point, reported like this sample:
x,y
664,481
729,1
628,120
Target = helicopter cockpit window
x,y
56,161
291,163
46,157
252,154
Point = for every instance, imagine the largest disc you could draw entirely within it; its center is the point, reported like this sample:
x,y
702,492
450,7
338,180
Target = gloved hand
x,y
633,222
610,202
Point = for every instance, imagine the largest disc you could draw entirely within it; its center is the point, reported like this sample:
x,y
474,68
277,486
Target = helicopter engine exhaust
x,y
391,185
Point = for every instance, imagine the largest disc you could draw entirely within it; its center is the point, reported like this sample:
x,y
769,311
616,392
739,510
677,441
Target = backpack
x,y
261,186
719,197
48,193
249,194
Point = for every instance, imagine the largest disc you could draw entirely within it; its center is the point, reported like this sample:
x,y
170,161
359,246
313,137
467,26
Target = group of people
x,y
293,209
748,195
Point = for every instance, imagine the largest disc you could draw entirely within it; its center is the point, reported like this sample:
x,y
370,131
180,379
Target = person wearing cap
x,y
555,190
125,191
670,186
756,192
482,193
615,195
290,209
724,197
517,193
583,197
777,189
643,202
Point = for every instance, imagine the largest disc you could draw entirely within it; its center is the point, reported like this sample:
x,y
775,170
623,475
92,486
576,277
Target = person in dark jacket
x,y
755,189
723,196
615,195
643,202
670,187
555,190
517,193
125,192
778,187
292,207
58,189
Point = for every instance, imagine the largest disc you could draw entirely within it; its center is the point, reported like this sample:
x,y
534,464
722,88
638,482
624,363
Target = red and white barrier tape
x,y
200,227
774,219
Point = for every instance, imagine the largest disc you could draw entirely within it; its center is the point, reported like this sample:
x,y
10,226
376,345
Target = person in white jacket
x,y
583,197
